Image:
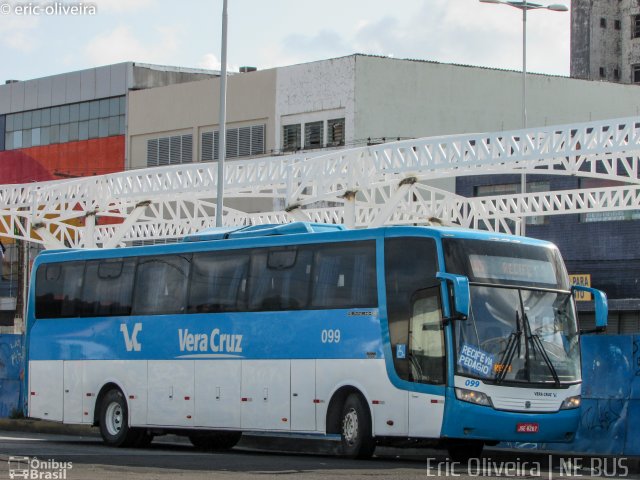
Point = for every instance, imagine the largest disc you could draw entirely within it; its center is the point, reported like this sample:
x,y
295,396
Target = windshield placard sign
x,y
476,360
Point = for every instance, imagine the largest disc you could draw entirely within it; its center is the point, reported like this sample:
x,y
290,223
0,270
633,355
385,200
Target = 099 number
x,y
472,383
330,336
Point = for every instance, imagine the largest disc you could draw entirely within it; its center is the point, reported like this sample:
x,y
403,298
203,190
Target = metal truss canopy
x,y
360,187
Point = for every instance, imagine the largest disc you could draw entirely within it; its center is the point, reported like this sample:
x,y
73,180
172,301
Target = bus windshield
x,y
522,326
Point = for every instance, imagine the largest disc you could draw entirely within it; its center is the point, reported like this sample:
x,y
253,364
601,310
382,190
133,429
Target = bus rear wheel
x,y
114,421
355,428
215,441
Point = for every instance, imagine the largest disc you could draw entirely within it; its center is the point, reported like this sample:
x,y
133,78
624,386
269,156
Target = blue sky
x,y
271,33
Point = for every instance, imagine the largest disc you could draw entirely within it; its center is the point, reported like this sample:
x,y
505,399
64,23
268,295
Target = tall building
x,y
605,40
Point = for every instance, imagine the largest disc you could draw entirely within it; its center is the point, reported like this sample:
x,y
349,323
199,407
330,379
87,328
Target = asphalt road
x,y
36,455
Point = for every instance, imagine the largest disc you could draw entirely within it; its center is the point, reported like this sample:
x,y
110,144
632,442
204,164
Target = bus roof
x,y
291,234
223,233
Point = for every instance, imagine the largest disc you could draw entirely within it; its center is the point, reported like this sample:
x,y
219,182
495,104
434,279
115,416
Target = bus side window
x,y
58,290
218,282
108,287
345,276
411,265
280,279
161,285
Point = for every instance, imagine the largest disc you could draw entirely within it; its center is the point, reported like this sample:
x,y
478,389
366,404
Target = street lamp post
x,y
525,6
222,121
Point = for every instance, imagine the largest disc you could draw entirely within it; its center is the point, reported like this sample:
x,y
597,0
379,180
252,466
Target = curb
x,y
44,426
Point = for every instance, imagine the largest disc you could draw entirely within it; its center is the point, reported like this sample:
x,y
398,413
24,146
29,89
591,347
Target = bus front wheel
x,y
355,428
114,421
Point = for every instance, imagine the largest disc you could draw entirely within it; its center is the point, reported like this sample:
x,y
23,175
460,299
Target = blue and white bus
x,y
393,335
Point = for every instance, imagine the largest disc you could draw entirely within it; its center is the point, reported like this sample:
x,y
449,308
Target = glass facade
x,y
65,123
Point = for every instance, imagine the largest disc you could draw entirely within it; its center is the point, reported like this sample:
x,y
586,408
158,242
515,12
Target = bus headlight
x,y
571,402
472,396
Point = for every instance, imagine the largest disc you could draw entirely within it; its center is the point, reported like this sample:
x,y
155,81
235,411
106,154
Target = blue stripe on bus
x,y
257,335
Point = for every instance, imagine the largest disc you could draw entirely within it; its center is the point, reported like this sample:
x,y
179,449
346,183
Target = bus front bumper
x,y
465,420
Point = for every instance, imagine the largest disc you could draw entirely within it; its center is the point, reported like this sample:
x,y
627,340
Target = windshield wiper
x,y
537,344
509,352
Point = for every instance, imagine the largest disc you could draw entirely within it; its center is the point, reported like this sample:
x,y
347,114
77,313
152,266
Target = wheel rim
x,y
114,418
350,426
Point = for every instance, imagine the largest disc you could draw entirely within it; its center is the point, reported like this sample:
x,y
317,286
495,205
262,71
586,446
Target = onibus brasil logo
x,y
36,469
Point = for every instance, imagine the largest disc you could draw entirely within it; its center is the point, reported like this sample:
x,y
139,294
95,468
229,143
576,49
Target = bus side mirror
x,y
461,294
602,307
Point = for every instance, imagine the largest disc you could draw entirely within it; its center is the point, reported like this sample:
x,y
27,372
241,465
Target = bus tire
x,y
355,428
114,421
464,451
215,441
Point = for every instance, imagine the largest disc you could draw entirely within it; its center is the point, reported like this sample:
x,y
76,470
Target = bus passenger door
x,y
427,362
303,394
72,392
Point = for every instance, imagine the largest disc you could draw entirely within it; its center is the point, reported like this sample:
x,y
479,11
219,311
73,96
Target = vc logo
x,y
131,341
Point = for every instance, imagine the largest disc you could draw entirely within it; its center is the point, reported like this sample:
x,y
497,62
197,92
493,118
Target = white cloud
x,y
18,32
120,44
210,61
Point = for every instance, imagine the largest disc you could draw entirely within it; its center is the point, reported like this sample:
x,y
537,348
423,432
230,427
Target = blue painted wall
x,y
11,371
611,396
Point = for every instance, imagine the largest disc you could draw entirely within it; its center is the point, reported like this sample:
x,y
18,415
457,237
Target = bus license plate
x,y
527,428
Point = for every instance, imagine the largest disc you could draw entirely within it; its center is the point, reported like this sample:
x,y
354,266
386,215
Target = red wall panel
x,y
65,160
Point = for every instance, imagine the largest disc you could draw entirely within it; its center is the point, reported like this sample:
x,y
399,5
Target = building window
x,y
636,73
241,142
313,134
635,23
169,150
513,189
617,24
616,74
603,72
291,137
335,132
603,22
66,123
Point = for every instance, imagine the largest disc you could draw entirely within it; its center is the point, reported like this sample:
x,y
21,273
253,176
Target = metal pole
x,y
222,134
523,177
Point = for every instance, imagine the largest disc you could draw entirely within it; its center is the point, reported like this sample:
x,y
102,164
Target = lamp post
x,y
525,6
222,121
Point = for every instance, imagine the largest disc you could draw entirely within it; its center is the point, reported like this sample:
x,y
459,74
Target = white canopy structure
x,y
360,187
